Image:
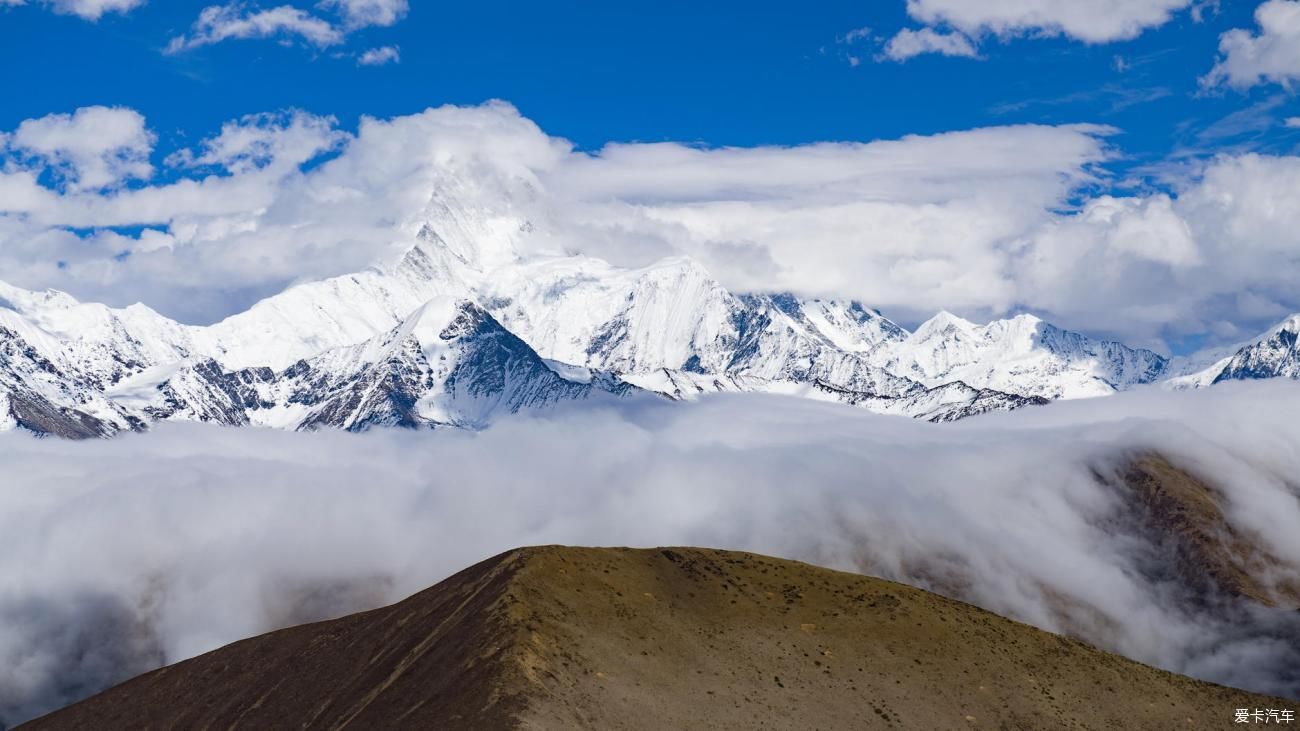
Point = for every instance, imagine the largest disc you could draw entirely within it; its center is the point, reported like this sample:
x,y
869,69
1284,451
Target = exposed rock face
x,y
563,638
45,395
949,402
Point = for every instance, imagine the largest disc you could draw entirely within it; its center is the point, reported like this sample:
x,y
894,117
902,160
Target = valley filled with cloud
x,y
127,554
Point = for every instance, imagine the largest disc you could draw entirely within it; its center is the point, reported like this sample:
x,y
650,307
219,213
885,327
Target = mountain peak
x,y
943,322
19,299
1291,324
433,325
1025,317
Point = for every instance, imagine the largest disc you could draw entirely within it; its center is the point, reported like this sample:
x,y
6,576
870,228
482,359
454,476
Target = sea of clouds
x,y
122,555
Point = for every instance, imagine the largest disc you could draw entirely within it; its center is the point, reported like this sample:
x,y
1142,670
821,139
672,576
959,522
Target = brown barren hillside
x,y
682,638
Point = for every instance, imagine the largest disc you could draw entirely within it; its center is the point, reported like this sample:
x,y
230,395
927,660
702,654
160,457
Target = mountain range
x,y
464,328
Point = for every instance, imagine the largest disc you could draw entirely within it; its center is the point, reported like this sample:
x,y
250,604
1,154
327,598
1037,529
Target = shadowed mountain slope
x,y
1206,554
560,638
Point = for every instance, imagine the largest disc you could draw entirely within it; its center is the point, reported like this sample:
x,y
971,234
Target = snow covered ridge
x,y
463,329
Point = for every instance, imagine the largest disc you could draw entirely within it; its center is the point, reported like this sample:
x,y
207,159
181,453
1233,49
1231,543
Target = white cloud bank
x,y
91,10
1094,21
1271,55
123,554
983,222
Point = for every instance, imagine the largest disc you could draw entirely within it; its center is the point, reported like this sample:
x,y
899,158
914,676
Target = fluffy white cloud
x,y
123,555
908,43
218,23
984,222
362,13
1270,56
380,56
1095,21
89,9
96,147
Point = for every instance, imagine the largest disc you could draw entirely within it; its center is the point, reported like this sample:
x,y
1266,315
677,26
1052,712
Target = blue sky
x,y
131,169
718,73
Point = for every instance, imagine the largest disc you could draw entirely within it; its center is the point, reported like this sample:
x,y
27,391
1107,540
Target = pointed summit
x,y
1290,324
1276,354
442,318
944,323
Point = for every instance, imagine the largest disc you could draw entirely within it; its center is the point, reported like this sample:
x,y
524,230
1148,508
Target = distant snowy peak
x,y
942,327
849,327
1021,355
100,342
1275,355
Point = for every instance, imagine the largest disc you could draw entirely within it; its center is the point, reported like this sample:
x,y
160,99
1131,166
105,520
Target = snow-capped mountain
x,y
1022,355
44,396
463,328
449,363
1275,354
674,315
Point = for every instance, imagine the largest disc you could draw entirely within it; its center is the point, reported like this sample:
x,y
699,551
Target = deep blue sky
x,y
720,73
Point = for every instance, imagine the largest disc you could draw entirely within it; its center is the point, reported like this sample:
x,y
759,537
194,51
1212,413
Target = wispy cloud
x,y
219,23
239,20
1117,98
908,43
380,56
364,13
88,9
1252,120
